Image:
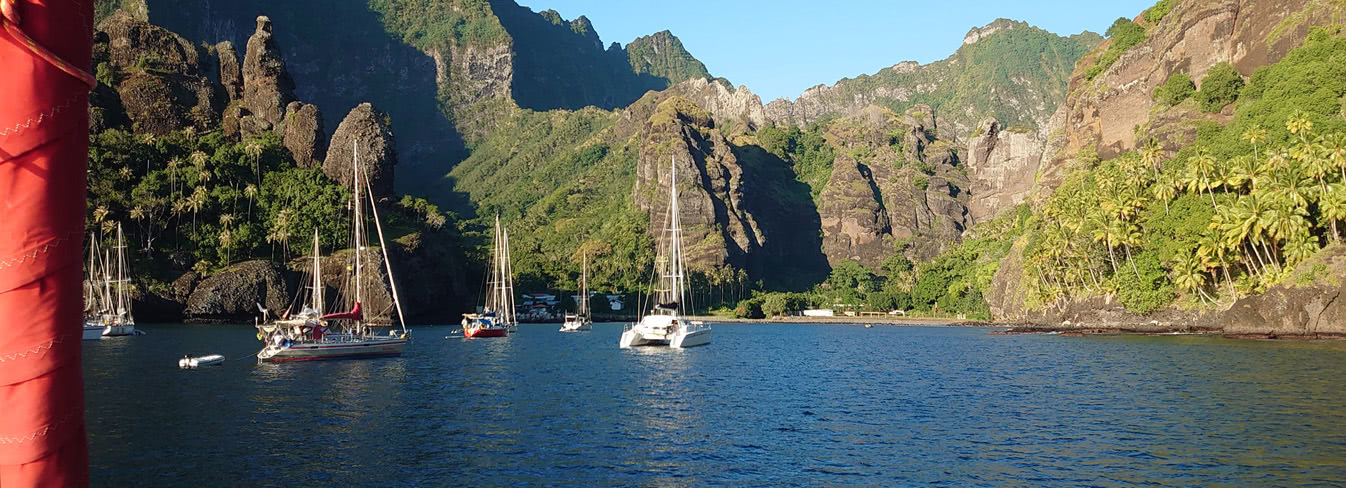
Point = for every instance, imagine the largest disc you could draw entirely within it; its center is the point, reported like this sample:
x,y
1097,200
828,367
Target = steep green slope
x,y
1227,216
562,64
661,54
1009,70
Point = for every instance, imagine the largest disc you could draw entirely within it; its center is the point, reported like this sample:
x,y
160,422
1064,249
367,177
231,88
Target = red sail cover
x,y
44,144
354,314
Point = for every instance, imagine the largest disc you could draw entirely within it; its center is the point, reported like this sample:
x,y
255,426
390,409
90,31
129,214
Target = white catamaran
x,y
497,317
107,301
580,320
313,335
665,325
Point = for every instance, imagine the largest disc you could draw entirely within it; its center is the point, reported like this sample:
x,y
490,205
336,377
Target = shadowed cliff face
x,y
562,64
339,56
739,205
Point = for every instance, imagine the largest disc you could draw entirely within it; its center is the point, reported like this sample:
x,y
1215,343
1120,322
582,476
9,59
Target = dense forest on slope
x,y
1014,72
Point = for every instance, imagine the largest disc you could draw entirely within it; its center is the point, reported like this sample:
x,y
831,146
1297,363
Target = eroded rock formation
x,y
369,131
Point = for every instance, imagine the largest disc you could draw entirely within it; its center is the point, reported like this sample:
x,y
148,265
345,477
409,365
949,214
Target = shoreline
x,y
846,320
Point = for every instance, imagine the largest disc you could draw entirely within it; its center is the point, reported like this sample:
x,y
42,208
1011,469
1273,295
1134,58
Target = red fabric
x,y
43,161
354,314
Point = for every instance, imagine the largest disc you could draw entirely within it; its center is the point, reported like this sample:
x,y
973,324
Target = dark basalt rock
x,y
368,129
305,138
233,294
267,87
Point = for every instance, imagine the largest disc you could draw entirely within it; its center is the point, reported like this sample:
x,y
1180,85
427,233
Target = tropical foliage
x,y
202,202
1177,88
1227,216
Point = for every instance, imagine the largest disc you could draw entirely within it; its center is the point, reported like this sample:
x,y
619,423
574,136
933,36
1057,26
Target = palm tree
x,y
1201,166
1332,207
1255,135
280,230
1299,123
173,165
195,202
254,152
1243,173
1334,146
1164,189
1152,154
250,191
1189,273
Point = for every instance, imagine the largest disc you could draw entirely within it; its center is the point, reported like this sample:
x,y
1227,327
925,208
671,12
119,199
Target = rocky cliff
x,y
892,183
1002,168
717,231
158,77
1109,111
365,131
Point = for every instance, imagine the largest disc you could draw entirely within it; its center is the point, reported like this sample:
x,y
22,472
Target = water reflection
x,y
761,406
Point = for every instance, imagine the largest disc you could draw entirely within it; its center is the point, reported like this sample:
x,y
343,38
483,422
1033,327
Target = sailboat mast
x,y
387,263
675,244
317,276
584,286
507,275
91,283
355,173
107,278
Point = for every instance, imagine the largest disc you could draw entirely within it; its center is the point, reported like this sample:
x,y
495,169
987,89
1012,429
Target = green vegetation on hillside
x,y
433,24
1122,36
1019,62
1220,87
1177,88
663,56
1156,13
806,150
1229,215
202,202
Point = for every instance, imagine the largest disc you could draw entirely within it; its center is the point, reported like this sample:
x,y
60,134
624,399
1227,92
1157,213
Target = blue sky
x,y
780,48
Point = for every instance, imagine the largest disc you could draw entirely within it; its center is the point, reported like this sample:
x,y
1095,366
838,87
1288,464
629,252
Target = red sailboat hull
x,y
485,332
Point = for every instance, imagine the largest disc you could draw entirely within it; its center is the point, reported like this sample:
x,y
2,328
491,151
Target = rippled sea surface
x,y
762,405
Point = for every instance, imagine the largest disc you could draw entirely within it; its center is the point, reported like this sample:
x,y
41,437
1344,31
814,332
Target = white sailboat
x,y
313,335
497,316
95,301
665,325
117,320
580,320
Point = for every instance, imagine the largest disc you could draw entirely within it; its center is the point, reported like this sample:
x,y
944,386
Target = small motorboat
x,y
192,362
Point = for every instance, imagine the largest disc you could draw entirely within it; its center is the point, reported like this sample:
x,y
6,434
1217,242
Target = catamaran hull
x,y
676,339
317,352
576,326
690,338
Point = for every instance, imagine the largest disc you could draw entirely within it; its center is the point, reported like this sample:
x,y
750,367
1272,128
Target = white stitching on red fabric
x,y
40,433
23,258
28,124
35,350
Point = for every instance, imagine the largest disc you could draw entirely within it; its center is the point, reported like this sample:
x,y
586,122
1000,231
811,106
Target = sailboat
x,y
665,325
497,317
95,301
313,335
117,319
580,320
